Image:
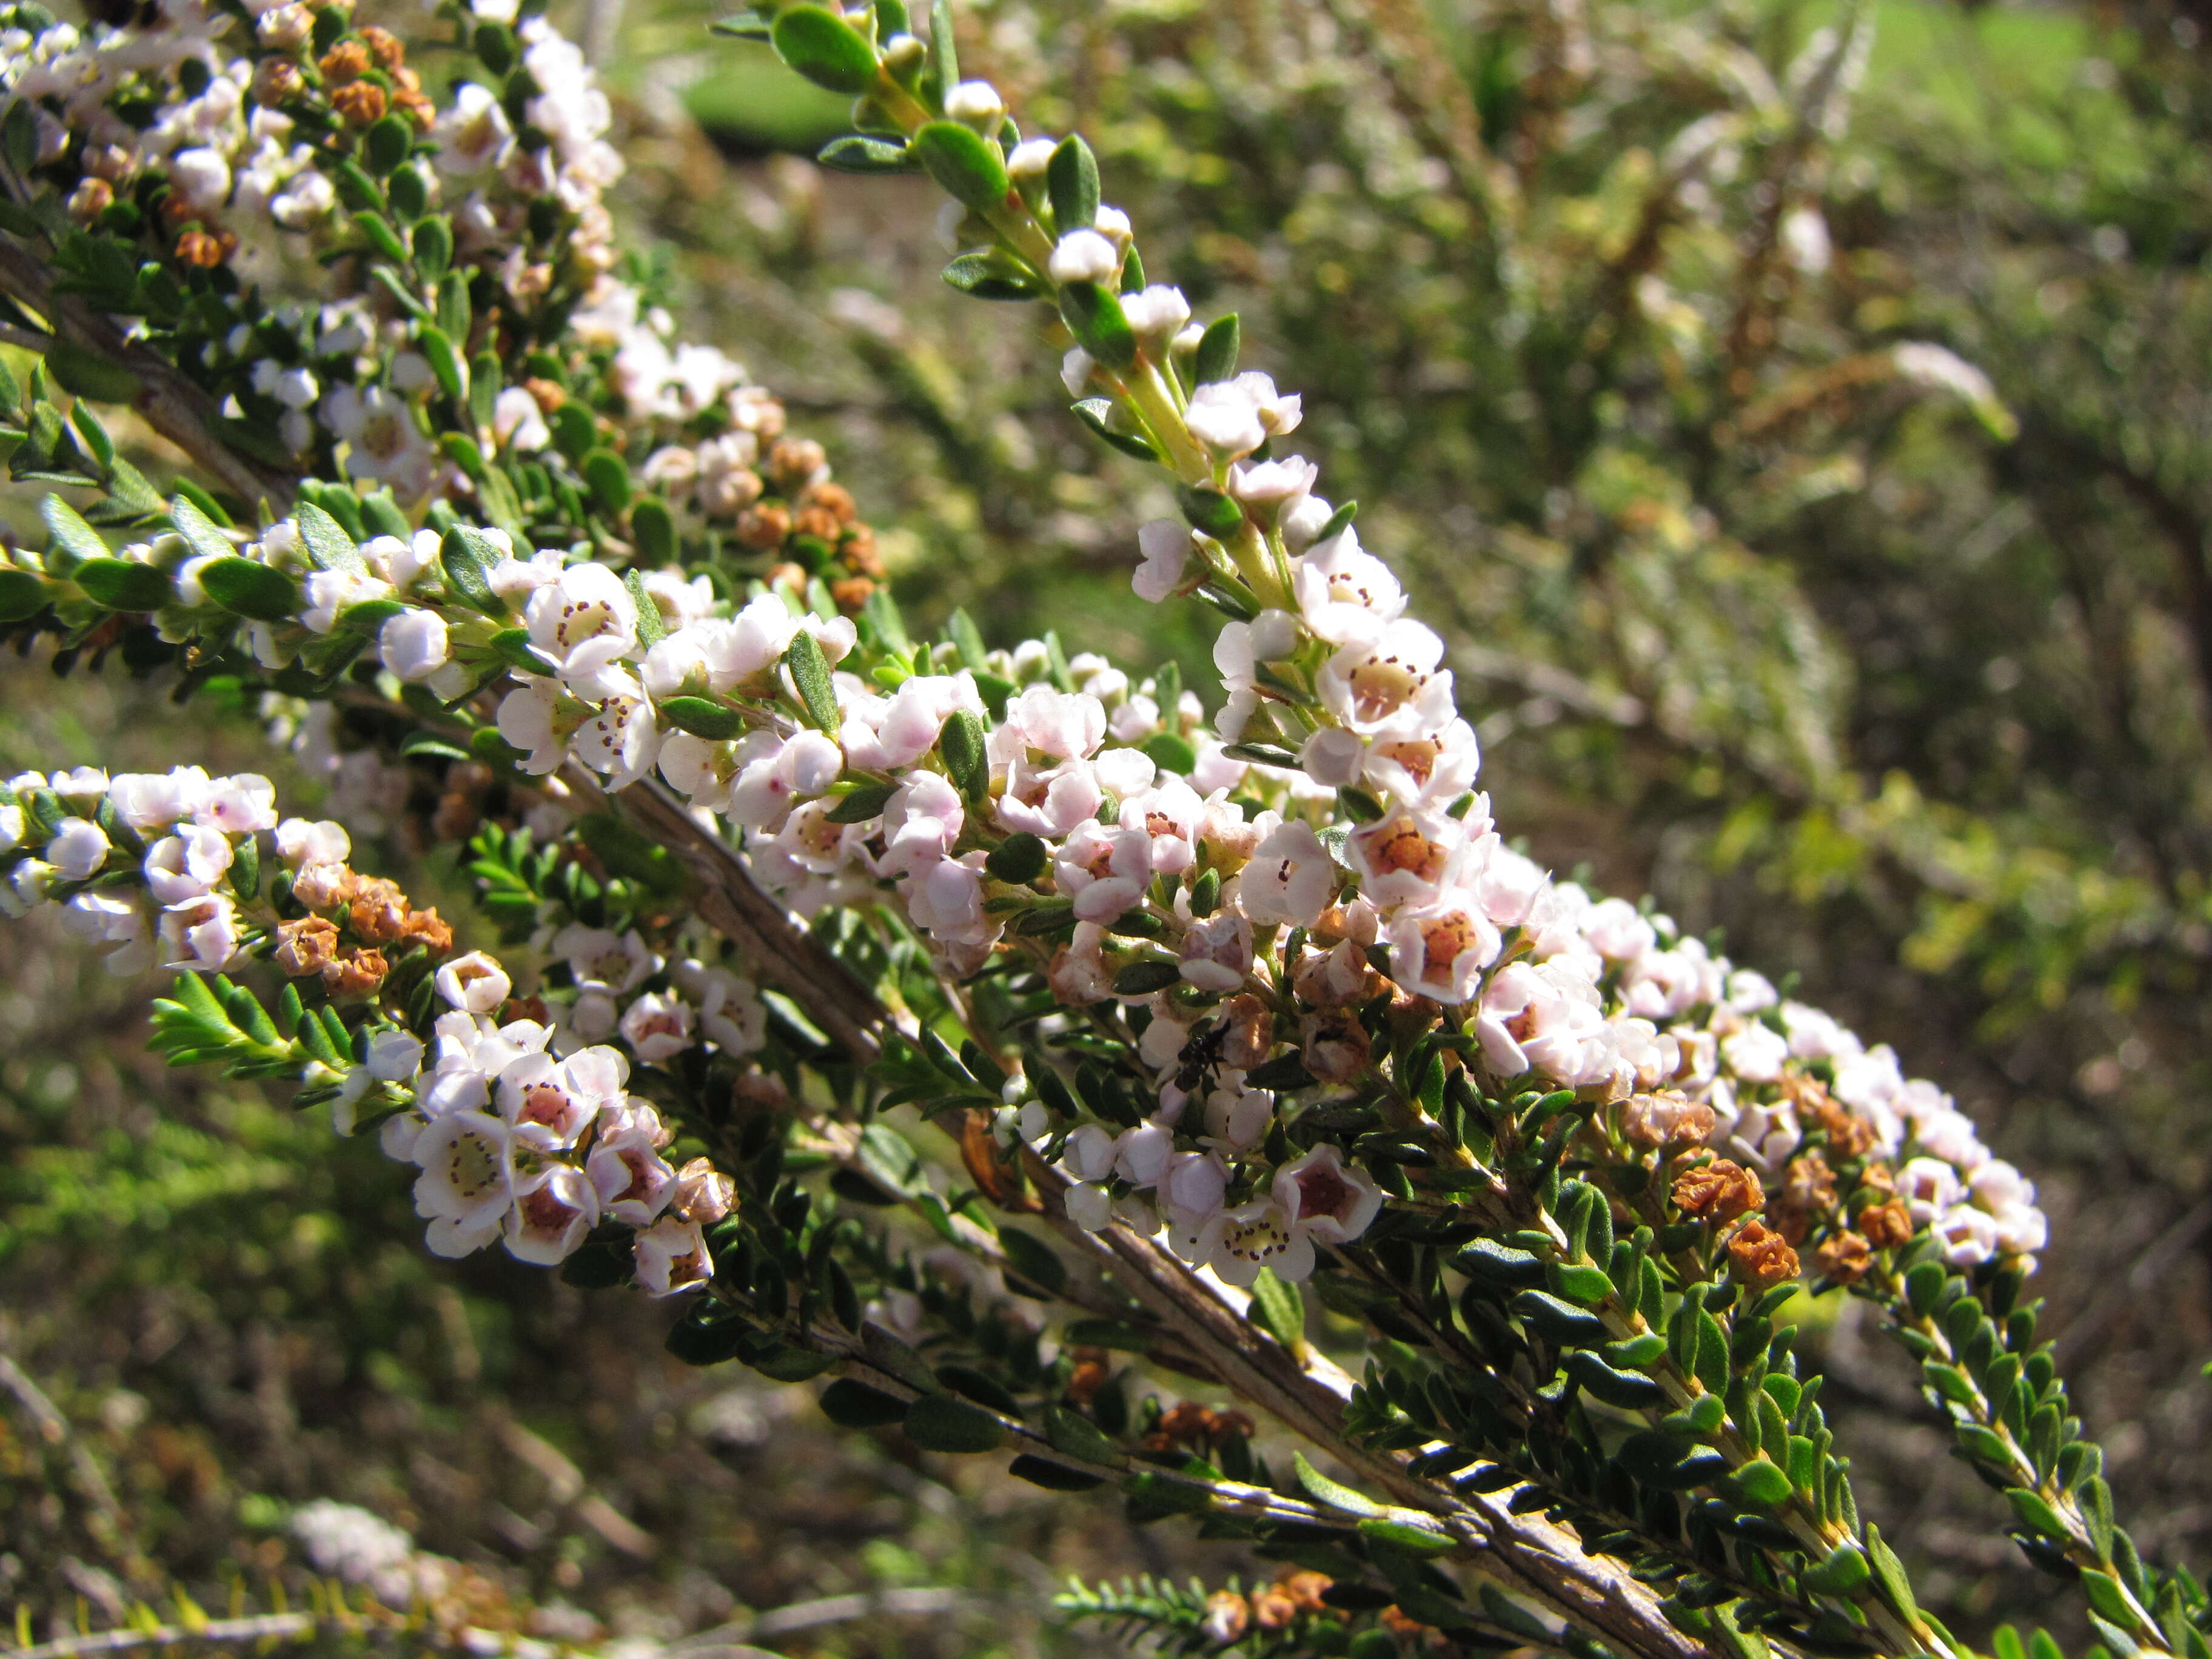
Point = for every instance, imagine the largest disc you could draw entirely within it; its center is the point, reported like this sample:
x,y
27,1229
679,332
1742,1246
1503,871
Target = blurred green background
x,y
1793,415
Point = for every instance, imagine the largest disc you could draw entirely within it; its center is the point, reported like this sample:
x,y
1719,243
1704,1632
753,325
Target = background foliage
x,y
1900,675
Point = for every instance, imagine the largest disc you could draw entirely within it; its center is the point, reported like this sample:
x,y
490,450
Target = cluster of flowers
x,y
516,1110
1558,988
160,113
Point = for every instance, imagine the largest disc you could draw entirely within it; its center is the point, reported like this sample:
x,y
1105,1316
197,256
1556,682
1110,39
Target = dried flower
x,y
1719,1191
355,972
1844,1258
1887,1225
1760,1257
361,103
305,946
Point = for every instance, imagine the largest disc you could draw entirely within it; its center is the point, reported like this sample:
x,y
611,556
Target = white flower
x,y
1075,370
200,178
731,1013
976,104
1224,418
1388,680
1156,315
475,982
553,1211
77,849
83,785
1089,1154
633,1181
1165,544
473,133
154,801
1217,951
1029,159
1084,256
1267,487
1440,950
1930,1187
600,959
1290,878
413,645
1326,1198
551,1102
201,934
299,842
536,718
1089,1207
383,443
187,865
467,1183
1345,594
517,423
239,805
586,621
1236,1242
1756,1054
672,1257
99,917
657,1025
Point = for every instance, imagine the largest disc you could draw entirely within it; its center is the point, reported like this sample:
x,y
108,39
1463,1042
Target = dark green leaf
x,y
1217,351
943,1423
1019,861
825,48
252,590
119,585
810,675
855,153
1093,315
1072,181
703,718
965,165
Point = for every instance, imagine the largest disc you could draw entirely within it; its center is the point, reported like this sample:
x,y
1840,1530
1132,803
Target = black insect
x,y
1201,1054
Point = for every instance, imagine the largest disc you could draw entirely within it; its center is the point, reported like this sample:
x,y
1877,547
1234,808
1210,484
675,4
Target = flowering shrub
x,y
1218,996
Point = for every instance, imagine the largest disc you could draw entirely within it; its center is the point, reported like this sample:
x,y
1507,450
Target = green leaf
x,y
825,48
965,165
864,803
966,760
1889,1572
856,152
810,675
1322,1490
1632,1390
386,143
90,374
1585,1286
1094,316
1758,1485
1141,979
514,648
22,593
993,274
330,547
1095,413
1018,861
70,541
252,590
1559,1322
1170,753
652,529
1078,1437
445,363
1281,1310
1844,1571
1217,351
652,626
944,54
432,241
944,1423
606,475
703,718
1070,180
119,585
1212,511
790,1365
852,1404
465,555
1052,1477
1404,1535
198,530
2036,1514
